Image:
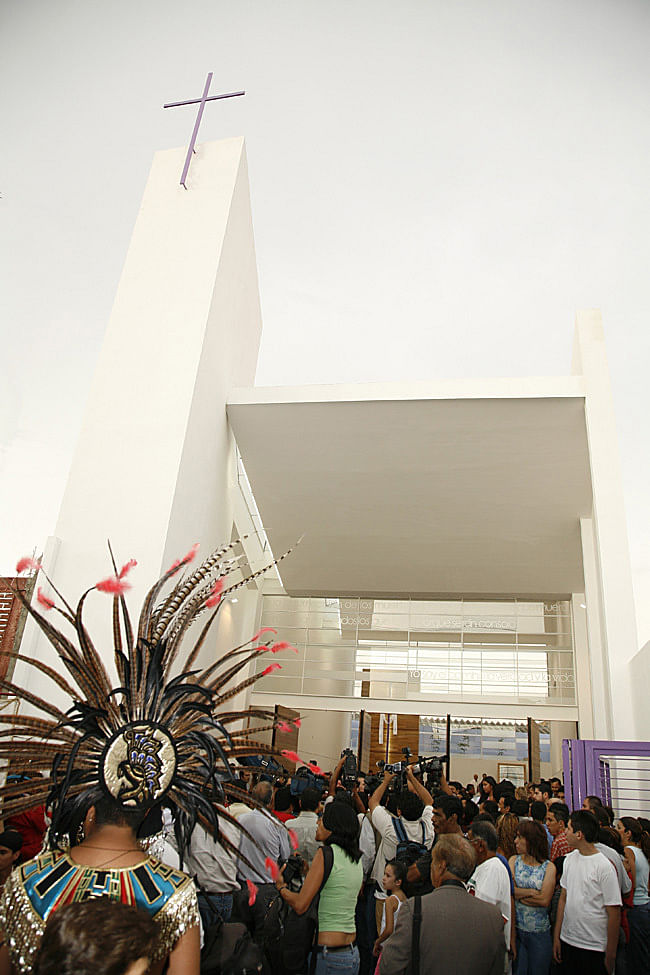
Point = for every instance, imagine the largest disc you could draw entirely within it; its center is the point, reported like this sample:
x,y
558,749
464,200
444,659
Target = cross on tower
x,y
201,103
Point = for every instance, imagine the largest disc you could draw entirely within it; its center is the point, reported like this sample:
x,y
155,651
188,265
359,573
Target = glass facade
x,y
505,651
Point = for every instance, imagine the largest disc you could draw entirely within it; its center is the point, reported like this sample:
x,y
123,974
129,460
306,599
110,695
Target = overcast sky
x,y
437,186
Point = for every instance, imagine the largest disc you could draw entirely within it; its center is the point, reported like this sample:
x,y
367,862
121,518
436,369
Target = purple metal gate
x,y
618,772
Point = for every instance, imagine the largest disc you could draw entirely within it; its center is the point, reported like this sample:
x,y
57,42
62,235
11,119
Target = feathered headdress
x,y
152,738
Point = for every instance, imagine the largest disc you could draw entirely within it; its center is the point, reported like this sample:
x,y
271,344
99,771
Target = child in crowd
x,y
393,880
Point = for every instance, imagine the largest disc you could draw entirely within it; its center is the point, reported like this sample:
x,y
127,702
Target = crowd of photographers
x,y
483,877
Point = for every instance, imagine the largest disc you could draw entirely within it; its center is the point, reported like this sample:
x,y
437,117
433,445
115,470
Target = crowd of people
x,y
400,874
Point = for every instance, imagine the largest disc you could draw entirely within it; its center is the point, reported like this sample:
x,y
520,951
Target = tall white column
x,y
154,465
609,563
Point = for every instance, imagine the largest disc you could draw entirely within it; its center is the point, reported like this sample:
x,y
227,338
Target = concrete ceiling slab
x,y
399,495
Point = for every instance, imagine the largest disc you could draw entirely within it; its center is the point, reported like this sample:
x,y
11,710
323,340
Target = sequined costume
x,y
52,879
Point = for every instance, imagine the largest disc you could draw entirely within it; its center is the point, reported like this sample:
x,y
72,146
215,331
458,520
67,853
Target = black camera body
x,y
294,871
350,771
432,768
398,769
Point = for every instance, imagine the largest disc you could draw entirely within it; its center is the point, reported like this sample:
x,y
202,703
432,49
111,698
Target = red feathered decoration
x,y
282,646
188,557
113,585
252,892
265,629
271,668
272,868
292,757
293,839
314,768
297,722
127,568
283,726
215,594
43,599
27,562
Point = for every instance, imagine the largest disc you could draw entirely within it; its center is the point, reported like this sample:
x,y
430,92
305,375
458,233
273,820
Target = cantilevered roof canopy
x,y
471,488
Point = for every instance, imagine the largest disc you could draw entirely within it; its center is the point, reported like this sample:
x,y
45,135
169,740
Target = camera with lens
x,y
398,769
432,768
349,772
294,871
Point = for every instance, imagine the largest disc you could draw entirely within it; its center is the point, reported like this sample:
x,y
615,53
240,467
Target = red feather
x,y
188,557
283,726
27,562
127,568
297,722
114,585
252,892
271,668
265,629
293,757
282,646
215,594
314,768
44,600
272,868
293,840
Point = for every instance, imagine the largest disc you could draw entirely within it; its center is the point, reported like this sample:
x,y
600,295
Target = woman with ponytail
x,y
336,949
636,844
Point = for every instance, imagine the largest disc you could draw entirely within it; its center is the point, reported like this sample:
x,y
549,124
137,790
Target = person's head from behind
x,y
447,814
394,875
97,937
608,836
310,800
282,799
263,792
339,826
410,806
583,828
531,840
452,856
506,831
491,807
557,818
11,843
538,811
521,808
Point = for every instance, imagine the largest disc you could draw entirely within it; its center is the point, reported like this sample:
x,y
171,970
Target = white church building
x,y
465,546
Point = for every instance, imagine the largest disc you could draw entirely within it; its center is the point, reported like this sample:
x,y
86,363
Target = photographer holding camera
x,y
414,823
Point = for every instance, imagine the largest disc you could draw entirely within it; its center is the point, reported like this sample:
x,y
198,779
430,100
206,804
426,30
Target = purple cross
x,y
201,103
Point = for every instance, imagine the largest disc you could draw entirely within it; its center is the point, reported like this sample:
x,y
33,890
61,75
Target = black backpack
x,y
288,937
408,851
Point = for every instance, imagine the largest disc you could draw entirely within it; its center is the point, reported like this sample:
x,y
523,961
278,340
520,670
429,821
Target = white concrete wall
x,y
323,736
153,469
608,575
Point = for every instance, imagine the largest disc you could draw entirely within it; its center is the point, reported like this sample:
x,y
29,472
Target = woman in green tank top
x,y
336,949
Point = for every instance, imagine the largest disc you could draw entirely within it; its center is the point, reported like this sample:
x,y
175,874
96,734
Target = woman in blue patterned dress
x,y
534,877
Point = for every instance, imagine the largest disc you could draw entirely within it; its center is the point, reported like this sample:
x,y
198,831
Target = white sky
x,y
437,186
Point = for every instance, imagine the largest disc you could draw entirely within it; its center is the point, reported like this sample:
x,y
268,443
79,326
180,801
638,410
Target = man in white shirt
x,y
491,878
271,842
306,823
415,813
589,909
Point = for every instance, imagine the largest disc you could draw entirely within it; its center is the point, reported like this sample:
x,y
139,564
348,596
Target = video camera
x,y
350,771
398,769
433,769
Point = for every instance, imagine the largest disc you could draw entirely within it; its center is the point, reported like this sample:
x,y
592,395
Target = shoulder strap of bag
x,y
328,863
424,835
415,938
400,832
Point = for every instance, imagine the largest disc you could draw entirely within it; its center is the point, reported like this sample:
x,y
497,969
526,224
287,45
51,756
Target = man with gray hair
x,y
272,842
431,932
